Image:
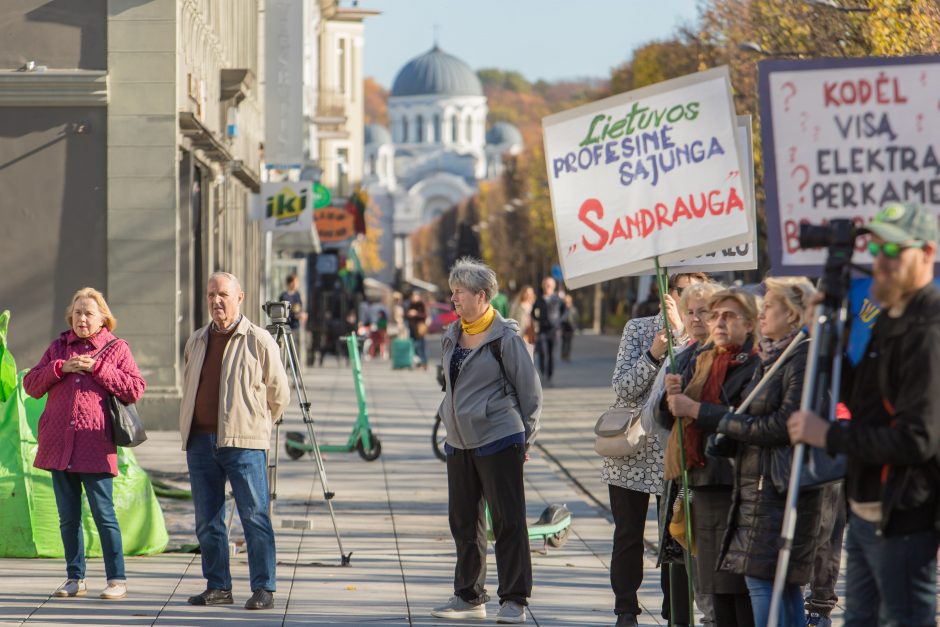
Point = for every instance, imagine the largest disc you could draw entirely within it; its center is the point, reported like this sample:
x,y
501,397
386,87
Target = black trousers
x,y
828,558
472,482
545,347
626,561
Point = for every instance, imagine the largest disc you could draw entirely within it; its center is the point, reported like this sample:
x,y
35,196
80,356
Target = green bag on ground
x,y
29,519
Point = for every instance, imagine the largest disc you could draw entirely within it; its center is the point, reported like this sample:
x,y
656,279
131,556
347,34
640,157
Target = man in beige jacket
x,y
234,389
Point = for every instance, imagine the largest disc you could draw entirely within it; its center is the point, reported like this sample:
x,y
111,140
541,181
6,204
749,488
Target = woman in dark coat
x,y
711,385
752,541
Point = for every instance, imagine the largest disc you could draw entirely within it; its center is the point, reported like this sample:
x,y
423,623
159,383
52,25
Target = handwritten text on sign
x,y
846,141
651,172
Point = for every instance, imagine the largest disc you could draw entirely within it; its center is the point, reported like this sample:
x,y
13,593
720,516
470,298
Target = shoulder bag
x,y
126,427
619,432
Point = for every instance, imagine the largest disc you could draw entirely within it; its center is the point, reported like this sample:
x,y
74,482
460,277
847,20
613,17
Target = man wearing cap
x,y
893,475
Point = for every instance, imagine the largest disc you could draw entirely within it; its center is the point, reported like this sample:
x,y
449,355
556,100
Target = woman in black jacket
x,y
752,540
711,385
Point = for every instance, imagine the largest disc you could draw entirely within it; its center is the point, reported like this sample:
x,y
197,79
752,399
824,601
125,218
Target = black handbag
x,y
126,427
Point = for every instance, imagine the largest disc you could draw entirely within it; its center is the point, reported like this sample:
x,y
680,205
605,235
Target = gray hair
x,y
226,275
473,275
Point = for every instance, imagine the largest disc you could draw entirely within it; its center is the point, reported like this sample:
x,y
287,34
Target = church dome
x,y
436,73
504,133
376,134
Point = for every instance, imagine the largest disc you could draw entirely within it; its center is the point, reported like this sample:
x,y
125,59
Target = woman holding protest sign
x,y
631,480
712,383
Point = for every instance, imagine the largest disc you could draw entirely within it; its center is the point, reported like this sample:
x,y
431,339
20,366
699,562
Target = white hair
x,y
215,276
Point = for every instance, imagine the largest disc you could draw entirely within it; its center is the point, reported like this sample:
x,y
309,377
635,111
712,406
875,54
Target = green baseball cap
x,y
903,223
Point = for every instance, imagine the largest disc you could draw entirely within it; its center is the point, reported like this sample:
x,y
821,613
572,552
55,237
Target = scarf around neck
x,y
771,349
479,325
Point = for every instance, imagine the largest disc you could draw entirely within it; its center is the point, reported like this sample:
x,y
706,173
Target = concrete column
x,y
143,277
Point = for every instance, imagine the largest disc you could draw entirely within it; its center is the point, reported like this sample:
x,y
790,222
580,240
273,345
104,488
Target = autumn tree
x,y
375,102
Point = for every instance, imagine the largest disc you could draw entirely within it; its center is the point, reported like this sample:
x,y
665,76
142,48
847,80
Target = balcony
x,y
331,108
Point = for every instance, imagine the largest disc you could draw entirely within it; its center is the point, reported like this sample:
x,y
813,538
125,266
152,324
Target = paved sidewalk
x,y
391,513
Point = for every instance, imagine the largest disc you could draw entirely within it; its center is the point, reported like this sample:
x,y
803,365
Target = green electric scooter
x,y
361,439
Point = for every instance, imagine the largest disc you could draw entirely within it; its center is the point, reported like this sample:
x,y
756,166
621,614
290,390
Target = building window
x,y
419,129
341,66
437,128
404,130
469,130
454,127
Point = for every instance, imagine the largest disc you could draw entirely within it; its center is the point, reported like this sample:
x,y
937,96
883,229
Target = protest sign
x,y
741,256
842,138
284,206
650,173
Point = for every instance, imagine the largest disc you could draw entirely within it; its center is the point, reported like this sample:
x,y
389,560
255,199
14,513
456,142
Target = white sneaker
x,y
511,612
71,588
115,590
457,608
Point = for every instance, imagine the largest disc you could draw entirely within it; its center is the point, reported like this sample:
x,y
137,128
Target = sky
x,y
541,39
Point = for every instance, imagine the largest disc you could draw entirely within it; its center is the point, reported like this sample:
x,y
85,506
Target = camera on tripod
x,y
838,233
277,311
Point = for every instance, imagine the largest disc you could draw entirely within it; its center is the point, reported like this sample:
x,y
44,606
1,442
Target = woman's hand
x,y
675,320
75,364
673,384
682,405
659,346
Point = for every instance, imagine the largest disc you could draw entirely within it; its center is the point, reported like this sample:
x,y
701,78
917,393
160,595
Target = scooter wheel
x,y
438,435
559,539
292,451
372,454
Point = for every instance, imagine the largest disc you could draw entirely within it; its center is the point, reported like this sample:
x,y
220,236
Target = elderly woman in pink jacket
x,y
75,441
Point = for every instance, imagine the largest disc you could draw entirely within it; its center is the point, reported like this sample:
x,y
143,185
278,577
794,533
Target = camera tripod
x,y
281,332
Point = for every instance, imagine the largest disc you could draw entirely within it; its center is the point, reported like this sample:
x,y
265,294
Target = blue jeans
x,y
791,604
246,471
889,580
67,487
421,350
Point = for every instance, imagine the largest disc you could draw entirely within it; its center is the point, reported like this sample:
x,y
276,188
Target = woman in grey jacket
x,y
491,409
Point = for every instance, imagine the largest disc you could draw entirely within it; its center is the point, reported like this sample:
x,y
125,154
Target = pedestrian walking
x,y
491,410
569,324
631,480
417,315
79,371
296,316
547,313
234,389
712,383
521,312
892,478
750,545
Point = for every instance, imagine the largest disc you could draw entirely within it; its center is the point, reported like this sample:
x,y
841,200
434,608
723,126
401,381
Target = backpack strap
x,y
105,347
496,347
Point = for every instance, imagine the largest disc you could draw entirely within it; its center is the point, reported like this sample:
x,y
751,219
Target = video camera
x,y
839,238
277,311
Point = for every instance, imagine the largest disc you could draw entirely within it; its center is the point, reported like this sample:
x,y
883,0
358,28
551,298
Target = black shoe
x,y
212,597
260,600
626,620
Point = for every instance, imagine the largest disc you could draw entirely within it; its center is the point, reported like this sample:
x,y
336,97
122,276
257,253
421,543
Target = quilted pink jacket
x,y
74,432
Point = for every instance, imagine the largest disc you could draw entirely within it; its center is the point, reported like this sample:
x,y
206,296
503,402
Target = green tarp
x,y
29,521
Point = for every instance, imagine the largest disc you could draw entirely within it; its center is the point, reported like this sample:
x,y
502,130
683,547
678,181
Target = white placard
x,y
842,138
283,87
740,256
652,172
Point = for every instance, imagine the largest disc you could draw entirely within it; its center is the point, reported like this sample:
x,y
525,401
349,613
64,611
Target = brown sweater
x,y
206,410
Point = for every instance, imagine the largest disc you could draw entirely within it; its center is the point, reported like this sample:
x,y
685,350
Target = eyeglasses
x,y
701,314
677,290
728,316
890,249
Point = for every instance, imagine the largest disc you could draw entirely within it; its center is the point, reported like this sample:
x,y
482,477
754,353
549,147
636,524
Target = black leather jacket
x,y
751,542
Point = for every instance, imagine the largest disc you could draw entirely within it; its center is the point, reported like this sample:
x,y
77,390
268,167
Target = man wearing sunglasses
x,y
893,475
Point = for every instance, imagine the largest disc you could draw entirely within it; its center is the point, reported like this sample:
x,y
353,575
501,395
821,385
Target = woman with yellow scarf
x,y
490,409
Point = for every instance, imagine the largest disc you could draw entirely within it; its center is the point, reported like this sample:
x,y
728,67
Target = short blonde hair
x,y
794,292
742,297
698,290
89,292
